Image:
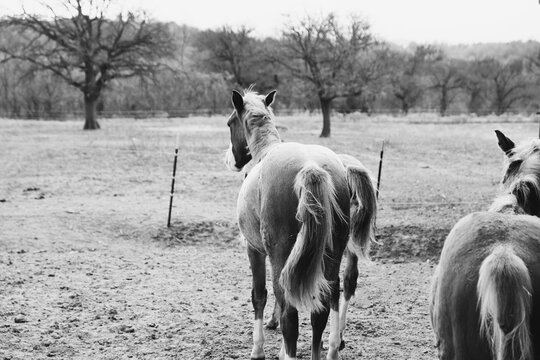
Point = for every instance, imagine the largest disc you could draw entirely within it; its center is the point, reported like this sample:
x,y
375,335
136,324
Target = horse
x,y
351,270
298,205
485,296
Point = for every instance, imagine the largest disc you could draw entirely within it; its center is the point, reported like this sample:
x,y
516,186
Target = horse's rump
x,y
304,195
504,300
472,270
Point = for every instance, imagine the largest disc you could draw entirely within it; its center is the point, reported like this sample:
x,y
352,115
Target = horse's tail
x,y
302,277
504,298
363,209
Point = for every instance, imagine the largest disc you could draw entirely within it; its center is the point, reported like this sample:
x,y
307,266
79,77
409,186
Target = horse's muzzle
x,y
230,160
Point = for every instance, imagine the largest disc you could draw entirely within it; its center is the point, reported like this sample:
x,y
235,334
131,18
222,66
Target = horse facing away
x,y
298,205
485,299
359,215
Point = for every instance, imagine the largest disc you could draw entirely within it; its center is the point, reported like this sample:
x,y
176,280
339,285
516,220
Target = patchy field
x,y
88,269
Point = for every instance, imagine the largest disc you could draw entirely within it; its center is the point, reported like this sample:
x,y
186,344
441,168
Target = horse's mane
x,y
262,131
521,182
525,149
254,106
524,153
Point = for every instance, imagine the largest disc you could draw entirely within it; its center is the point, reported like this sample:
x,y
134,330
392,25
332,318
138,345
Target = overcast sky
x,y
402,21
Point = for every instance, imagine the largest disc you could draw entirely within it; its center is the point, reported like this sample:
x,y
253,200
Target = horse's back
x,y
455,316
475,235
349,160
293,156
284,162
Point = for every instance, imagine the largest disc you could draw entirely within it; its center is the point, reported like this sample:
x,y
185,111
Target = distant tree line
x,y
135,65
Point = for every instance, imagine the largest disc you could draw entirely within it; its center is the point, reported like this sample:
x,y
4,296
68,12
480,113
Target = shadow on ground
x,y
395,243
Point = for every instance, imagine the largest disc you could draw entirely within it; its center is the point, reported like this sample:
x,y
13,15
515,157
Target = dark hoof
x,y
257,358
342,345
271,325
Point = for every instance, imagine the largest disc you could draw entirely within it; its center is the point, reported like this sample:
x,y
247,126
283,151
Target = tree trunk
x,y
404,107
474,104
498,104
90,122
443,104
325,108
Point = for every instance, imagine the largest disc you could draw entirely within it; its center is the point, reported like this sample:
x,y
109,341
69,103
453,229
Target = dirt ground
x,y
89,270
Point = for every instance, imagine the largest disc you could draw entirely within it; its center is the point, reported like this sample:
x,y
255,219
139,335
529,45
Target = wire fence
x,y
207,112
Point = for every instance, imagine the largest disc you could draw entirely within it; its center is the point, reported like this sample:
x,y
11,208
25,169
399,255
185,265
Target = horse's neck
x,y
506,204
262,140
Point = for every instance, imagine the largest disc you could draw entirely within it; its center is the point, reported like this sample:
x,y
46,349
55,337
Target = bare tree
x,y
326,55
407,75
372,72
446,79
88,50
507,82
230,50
475,86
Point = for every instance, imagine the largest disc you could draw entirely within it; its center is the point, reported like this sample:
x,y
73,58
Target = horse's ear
x,y
237,101
269,99
505,143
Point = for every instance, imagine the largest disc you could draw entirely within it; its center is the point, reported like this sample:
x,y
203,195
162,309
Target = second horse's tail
x,y
504,299
363,209
302,277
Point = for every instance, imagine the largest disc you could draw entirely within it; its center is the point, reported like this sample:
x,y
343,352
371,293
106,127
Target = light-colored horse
x,y
486,290
298,205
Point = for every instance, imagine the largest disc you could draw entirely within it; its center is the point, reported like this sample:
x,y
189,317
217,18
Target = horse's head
x,y
241,123
238,153
522,172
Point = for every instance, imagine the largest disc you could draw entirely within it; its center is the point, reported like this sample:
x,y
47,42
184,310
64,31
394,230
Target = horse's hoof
x,y
271,325
342,345
257,353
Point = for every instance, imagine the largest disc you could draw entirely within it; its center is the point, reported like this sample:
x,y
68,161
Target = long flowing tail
x,y
504,299
302,277
363,209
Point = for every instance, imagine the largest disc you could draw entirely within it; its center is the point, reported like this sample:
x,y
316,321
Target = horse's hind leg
x,y
349,288
318,324
334,337
289,329
288,315
331,309
258,299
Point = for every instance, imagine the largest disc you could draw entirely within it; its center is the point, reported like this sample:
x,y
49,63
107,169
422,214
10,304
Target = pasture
x,y
88,268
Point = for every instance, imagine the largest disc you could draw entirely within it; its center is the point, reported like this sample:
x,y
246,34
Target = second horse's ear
x,y
238,102
505,143
269,99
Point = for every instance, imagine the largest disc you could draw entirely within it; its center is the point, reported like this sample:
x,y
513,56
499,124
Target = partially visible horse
x,y
485,301
298,205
